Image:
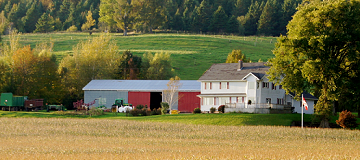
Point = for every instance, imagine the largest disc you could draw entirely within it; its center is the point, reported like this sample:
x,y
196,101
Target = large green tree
x,y
321,49
150,13
117,12
157,66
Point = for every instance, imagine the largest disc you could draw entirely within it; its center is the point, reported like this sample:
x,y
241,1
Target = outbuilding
x,y
144,92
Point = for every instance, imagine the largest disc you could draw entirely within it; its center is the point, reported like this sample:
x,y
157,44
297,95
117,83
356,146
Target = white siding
x,y
273,94
234,87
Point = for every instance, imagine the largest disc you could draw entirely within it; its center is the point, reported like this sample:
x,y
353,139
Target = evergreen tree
x,y
178,23
186,17
252,18
64,10
232,25
219,21
31,18
7,8
204,16
288,10
45,24
241,7
269,20
72,18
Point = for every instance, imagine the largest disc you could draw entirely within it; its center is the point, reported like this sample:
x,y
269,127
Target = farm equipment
x,y
56,107
119,103
34,104
15,103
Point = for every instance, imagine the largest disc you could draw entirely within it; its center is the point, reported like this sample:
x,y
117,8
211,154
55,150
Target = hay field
x,y
52,138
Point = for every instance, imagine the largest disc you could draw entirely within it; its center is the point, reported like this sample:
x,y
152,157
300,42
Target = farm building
x,y
245,87
144,92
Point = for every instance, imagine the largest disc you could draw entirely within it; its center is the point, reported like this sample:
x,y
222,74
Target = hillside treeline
x,y
34,72
243,17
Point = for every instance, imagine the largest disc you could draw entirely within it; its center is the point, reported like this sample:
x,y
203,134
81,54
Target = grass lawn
x,y
227,119
191,55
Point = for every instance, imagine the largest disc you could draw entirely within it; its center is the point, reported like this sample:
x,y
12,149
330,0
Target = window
x,y
205,85
210,85
265,84
280,101
223,85
220,85
228,84
216,101
280,86
243,99
273,87
208,101
257,85
268,100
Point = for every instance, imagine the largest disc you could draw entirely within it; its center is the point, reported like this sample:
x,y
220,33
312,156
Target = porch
x,y
260,108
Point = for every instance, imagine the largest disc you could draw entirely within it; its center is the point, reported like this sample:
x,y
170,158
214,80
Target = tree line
x,y
243,17
33,72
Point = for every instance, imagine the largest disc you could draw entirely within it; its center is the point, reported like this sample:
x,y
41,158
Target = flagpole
x,y
302,111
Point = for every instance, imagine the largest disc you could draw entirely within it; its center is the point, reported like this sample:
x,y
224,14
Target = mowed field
x,y
73,138
191,55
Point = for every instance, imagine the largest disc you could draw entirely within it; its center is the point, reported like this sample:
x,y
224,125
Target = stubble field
x,y
53,138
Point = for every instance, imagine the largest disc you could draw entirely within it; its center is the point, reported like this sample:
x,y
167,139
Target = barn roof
x,y
139,85
230,71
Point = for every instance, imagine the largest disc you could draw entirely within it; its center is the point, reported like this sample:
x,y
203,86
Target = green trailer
x,y
12,103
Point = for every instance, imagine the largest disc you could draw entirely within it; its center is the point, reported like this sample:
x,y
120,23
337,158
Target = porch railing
x,y
256,105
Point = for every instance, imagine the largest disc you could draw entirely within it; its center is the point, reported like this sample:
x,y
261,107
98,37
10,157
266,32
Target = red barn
x,y
142,92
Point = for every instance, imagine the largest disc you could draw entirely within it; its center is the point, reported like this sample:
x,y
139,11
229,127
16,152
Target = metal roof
x,y
139,85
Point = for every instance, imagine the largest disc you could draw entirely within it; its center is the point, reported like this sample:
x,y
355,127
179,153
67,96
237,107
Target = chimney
x,y
240,66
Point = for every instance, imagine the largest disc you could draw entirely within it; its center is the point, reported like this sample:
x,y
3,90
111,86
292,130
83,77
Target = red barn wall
x,y
136,98
188,101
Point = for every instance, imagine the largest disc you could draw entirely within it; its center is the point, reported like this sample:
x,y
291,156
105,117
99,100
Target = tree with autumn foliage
x,y
171,94
235,56
93,59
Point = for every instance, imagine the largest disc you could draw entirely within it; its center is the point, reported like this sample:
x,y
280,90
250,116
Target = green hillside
x,y
191,55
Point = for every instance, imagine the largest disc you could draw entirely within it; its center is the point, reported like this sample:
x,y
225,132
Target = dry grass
x,y
51,138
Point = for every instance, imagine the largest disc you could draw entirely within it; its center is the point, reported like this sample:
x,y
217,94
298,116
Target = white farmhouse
x,y
244,87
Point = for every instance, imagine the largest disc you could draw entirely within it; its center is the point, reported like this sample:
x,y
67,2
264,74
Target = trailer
x,y
34,104
9,102
12,103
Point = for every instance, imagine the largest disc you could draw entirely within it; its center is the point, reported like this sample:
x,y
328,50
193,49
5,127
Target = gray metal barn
x,y
145,92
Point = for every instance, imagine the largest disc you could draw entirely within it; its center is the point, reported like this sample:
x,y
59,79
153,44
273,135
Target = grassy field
x,y
191,55
228,119
59,138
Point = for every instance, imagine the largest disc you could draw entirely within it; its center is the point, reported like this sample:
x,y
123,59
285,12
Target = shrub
x,y
221,109
164,107
347,120
156,111
197,110
139,106
95,111
212,109
134,112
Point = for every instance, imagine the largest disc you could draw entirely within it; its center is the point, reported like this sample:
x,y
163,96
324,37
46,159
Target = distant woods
x,y
33,72
242,17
